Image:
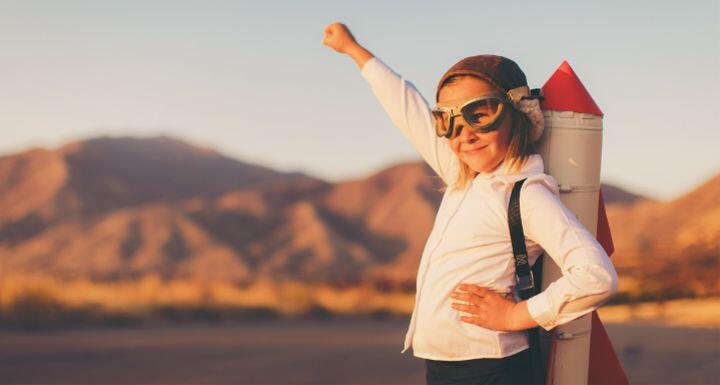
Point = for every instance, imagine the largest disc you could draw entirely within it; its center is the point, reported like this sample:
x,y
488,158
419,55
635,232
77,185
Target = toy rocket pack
x,y
578,352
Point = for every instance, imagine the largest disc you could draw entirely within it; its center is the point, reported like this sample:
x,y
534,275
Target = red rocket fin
x,y
605,368
603,228
565,92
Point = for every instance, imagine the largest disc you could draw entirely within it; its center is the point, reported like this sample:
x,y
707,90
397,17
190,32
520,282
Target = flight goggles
x,y
482,113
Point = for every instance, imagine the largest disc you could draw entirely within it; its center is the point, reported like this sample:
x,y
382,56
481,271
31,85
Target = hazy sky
x,y
253,80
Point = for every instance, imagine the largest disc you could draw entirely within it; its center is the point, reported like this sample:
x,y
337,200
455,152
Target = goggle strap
x,y
535,93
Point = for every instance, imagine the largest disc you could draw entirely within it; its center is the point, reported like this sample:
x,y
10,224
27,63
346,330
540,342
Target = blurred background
x,y
202,192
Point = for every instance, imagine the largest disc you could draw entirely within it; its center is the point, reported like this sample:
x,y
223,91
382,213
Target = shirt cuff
x,y
541,311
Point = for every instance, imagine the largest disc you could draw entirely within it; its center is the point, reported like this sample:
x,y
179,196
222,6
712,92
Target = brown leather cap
x,y
500,71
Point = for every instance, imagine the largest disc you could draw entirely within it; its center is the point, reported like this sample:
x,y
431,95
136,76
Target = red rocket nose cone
x,y
565,92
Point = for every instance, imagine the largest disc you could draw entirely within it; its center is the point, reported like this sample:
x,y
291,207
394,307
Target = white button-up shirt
x,y
470,241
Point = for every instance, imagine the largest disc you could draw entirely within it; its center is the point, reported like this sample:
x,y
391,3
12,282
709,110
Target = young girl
x,y
479,140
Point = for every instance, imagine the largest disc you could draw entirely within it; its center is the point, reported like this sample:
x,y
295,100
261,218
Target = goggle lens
x,y
482,113
442,122
481,116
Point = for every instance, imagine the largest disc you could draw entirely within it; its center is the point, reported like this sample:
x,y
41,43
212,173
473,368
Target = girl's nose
x,y
466,134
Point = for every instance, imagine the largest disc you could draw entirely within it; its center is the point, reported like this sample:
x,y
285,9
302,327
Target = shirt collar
x,y
532,166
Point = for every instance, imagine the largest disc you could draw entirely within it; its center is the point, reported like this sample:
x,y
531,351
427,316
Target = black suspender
x,y
523,276
528,281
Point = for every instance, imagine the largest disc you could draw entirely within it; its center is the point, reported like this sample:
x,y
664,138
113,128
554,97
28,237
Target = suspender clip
x,y
524,282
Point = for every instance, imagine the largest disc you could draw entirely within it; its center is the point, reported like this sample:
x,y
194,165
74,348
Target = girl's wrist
x,y
359,54
520,318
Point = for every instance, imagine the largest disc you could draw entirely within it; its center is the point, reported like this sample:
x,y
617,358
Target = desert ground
x,y
303,351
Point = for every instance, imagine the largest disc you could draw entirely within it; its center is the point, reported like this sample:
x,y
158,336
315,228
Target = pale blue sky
x,y
253,80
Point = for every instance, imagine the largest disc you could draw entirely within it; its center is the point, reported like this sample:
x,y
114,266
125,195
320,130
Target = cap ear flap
x,y
518,93
531,108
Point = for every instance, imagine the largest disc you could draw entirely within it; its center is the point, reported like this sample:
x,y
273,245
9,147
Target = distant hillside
x,y
613,194
114,209
670,248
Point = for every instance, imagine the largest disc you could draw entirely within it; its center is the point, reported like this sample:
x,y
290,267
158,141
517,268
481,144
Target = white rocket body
x,y
571,150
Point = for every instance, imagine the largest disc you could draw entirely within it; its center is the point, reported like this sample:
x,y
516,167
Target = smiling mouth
x,y
474,151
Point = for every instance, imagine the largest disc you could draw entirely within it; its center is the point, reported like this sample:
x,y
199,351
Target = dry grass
x,y
142,296
701,312
28,298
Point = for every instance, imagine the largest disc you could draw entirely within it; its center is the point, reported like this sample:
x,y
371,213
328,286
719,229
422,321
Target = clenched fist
x,y
339,38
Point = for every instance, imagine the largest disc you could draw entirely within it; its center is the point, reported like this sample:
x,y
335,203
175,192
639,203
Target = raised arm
x,y
404,104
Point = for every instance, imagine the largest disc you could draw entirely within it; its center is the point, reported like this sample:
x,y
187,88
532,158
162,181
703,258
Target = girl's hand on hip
x,y
486,308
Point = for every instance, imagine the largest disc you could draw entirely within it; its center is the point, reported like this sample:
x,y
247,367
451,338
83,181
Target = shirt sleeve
x,y
409,112
589,278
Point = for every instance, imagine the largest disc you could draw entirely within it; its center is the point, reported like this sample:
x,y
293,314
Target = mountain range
x,y
119,208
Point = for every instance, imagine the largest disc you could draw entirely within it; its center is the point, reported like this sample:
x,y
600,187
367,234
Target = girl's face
x,y
482,152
